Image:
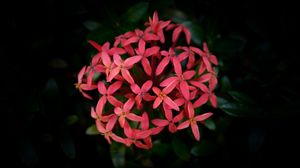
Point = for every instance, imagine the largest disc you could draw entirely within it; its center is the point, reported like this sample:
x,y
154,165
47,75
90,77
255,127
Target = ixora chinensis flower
x,y
148,82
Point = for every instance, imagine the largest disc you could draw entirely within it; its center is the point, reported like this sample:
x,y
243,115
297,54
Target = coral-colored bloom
x,y
143,70
192,121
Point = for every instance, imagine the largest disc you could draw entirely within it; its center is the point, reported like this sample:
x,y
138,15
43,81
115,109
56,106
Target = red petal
x,y
179,117
118,111
161,36
213,59
95,45
190,110
172,128
135,88
198,51
111,123
81,74
127,130
128,105
167,81
176,33
151,51
184,88
143,134
117,59
93,113
132,60
170,87
187,34
101,88
145,121
126,75
168,112
200,85
114,87
203,117
188,75
191,61
147,86
131,40
207,63
213,100
133,117
157,102
100,127
106,59
149,36
87,87
177,66
86,95
115,102
148,97
195,131
117,138
171,103
100,105
204,78
162,65
156,90
147,66
122,121
202,100
142,45
184,125
182,56
114,72
160,122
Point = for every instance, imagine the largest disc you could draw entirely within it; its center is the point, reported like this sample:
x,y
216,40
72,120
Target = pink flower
x,y
143,70
192,121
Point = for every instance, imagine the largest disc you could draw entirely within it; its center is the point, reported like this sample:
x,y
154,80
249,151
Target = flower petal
x,y
81,74
195,131
202,100
160,122
184,88
157,102
190,110
171,103
147,86
135,88
167,81
162,65
113,101
151,51
114,87
128,105
187,35
100,127
187,75
184,125
213,100
147,66
177,66
176,33
126,75
132,60
203,117
100,105
133,117
111,122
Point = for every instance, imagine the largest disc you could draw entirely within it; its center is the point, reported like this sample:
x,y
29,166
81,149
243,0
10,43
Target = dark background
x,y
45,118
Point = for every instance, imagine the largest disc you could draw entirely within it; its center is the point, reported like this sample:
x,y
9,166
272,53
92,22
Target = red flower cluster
x,y
145,85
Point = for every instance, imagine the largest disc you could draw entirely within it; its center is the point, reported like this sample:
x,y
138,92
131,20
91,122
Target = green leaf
x,y
210,124
72,119
238,110
117,152
204,148
92,130
241,97
91,25
136,13
225,84
181,149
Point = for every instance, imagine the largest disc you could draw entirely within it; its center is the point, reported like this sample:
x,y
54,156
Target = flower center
x,y
162,95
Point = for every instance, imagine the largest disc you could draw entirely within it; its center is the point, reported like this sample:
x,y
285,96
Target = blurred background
x,y
46,119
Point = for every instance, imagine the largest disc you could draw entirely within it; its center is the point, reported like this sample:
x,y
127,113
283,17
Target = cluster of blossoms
x,y
146,85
